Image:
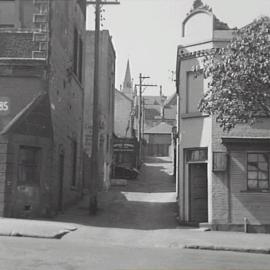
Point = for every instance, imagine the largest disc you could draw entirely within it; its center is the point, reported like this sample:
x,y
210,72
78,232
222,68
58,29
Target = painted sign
x,y
4,105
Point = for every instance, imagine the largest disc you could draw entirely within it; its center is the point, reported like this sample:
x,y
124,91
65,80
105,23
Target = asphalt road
x,y
44,254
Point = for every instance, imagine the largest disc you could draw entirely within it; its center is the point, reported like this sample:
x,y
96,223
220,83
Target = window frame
x,y
36,165
257,189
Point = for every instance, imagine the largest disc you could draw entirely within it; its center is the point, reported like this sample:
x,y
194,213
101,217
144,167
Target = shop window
x,y
29,165
258,171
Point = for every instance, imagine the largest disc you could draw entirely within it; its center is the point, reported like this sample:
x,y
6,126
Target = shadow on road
x,y
147,203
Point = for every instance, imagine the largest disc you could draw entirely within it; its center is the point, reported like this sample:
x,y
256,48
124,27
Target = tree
x,y
239,91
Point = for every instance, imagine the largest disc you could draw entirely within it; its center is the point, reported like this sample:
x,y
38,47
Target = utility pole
x,y
95,139
141,85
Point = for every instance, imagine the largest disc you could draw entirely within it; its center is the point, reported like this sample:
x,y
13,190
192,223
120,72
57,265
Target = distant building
x,y
124,110
41,105
123,122
223,178
105,105
158,140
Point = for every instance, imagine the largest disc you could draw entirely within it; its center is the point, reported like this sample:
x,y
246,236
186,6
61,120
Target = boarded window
x,y
29,165
258,171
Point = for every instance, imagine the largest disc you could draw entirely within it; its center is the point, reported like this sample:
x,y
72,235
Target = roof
x,y
34,118
161,128
117,92
152,100
172,100
258,132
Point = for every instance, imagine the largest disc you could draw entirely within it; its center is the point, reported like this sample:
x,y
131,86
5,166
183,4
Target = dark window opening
x,y
80,61
29,165
74,162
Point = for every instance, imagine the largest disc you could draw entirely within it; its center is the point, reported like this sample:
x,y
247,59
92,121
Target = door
x,y
61,180
198,192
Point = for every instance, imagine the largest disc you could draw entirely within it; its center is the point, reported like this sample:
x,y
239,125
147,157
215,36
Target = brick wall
x,y
66,94
255,206
17,44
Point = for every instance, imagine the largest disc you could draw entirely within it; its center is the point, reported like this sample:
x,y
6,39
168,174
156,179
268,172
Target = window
x,y
29,165
7,14
258,171
74,162
197,155
75,51
78,55
80,60
194,91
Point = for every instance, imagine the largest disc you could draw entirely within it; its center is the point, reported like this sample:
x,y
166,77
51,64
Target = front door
x,y
198,192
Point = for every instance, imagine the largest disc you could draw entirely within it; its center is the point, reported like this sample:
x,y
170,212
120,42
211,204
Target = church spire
x,y
127,85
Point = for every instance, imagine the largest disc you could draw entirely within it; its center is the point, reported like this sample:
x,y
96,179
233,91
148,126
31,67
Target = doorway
x,y
198,193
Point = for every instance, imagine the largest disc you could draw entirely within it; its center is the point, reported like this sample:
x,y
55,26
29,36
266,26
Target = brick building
x,y
42,84
105,103
223,178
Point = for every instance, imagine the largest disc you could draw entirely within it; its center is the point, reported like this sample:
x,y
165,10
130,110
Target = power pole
x,y
140,131
95,139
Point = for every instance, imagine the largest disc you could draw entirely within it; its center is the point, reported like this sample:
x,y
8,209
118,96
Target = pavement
x,y
141,214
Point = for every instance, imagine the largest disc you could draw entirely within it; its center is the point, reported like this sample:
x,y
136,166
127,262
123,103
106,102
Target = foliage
x,y
239,91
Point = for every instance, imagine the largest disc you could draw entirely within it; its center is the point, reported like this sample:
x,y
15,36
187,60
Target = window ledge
x,y
193,115
256,191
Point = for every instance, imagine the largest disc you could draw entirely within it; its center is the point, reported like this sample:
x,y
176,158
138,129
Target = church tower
x,y
127,84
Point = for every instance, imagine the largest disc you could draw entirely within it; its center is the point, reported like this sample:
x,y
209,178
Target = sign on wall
x,y
4,105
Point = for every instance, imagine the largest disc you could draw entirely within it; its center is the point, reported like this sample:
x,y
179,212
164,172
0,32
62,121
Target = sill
x,y
256,191
193,115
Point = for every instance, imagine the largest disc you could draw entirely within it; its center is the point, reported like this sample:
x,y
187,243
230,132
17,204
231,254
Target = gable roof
x,y
161,128
117,92
172,100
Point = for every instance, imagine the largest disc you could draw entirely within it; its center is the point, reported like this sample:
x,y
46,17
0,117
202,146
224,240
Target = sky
x,y
147,32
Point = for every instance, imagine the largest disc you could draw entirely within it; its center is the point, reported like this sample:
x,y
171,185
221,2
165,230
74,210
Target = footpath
x,y
141,214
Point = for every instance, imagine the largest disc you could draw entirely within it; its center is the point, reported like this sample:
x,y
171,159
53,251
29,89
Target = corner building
x,y
223,178
42,79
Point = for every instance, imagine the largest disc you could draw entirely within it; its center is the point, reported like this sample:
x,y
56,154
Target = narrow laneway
x,y
146,203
